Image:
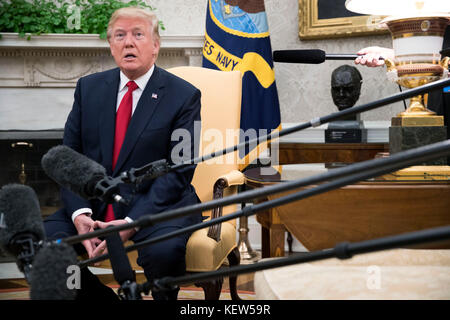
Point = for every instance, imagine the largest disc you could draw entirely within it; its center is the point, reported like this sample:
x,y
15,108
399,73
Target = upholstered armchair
x,y
211,248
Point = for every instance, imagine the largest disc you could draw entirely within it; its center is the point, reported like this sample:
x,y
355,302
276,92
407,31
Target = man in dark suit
x,y
124,118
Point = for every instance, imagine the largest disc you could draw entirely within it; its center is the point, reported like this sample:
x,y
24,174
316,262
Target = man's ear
x,y
156,47
111,48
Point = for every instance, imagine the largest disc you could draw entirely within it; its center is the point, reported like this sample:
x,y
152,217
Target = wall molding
x,y
58,60
89,41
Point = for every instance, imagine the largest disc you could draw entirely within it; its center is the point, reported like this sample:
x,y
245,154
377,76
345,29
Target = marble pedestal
x,y
404,138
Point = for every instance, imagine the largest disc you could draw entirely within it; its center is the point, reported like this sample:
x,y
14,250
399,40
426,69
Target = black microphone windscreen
x,y
19,214
314,56
72,170
51,277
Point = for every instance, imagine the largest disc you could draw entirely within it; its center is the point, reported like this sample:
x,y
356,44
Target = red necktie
x,y
123,117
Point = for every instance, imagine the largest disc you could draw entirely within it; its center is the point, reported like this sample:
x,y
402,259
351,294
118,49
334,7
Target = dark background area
x,y
330,9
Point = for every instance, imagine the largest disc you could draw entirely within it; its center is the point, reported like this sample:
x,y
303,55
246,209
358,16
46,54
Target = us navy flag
x,y
237,38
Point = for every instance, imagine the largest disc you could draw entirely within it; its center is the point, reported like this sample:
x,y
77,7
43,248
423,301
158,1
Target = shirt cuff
x,y
86,211
129,220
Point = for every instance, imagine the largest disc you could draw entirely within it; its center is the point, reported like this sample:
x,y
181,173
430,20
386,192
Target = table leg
x,y
290,240
265,242
276,240
272,241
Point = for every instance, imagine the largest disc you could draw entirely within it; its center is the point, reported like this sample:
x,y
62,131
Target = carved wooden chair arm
x,y
232,178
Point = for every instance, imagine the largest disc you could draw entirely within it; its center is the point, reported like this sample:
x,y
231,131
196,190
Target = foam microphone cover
x,y
72,170
50,273
313,56
19,214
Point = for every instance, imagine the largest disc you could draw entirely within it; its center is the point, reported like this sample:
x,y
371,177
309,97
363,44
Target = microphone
x,y
80,175
51,276
312,56
21,229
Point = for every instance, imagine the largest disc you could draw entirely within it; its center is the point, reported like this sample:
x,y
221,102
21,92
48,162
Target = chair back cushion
x,y
220,119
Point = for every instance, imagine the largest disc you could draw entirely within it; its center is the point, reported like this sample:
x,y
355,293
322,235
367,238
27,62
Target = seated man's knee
x,y
166,258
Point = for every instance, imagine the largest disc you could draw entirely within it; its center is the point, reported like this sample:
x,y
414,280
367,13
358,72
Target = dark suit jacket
x,y
90,130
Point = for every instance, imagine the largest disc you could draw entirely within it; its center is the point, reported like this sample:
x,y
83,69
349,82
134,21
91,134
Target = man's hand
x,y
124,235
370,56
85,224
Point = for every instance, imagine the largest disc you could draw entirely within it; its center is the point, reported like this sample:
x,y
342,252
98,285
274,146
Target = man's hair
x,y
135,12
345,67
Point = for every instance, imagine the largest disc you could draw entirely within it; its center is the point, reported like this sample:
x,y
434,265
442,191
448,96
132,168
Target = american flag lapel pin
x,y
154,96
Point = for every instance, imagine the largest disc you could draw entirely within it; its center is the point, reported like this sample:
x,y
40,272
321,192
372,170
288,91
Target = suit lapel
x,y
142,115
108,118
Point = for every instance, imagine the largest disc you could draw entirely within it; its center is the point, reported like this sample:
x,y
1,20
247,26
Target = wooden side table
x,y
357,212
290,153
272,229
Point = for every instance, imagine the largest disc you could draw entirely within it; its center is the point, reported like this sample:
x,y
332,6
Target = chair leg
x,y
289,241
211,288
234,258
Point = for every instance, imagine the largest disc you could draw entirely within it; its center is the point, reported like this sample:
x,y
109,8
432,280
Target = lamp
x,y
417,28
397,7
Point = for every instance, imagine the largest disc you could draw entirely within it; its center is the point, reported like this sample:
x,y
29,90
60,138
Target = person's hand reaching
x,y
374,56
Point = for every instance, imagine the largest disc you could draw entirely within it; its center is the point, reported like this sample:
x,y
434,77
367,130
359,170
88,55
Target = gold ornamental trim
x,y
412,70
416,34
414,173
313,28
412,121
418,25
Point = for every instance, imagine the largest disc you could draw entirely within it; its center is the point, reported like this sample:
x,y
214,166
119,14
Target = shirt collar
x,y
141,81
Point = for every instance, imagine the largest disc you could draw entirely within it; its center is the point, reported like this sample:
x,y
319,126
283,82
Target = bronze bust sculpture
x,y
345,86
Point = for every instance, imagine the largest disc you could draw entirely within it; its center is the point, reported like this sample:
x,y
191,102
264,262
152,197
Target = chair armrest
x,y
232,178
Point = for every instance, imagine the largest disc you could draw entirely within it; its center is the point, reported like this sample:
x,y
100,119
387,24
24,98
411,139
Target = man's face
x,y
132,46
345,89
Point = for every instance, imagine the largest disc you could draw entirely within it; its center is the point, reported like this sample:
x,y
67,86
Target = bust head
x,y
345,86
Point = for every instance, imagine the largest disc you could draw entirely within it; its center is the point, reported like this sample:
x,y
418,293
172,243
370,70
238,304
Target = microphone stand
x,y
25,246
343,250
342,176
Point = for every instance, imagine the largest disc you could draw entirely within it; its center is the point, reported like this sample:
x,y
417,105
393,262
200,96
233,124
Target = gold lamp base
x,y
412,75
417,121
417,115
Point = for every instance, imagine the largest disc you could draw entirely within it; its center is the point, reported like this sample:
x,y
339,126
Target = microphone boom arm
x,y
339,178
343,250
